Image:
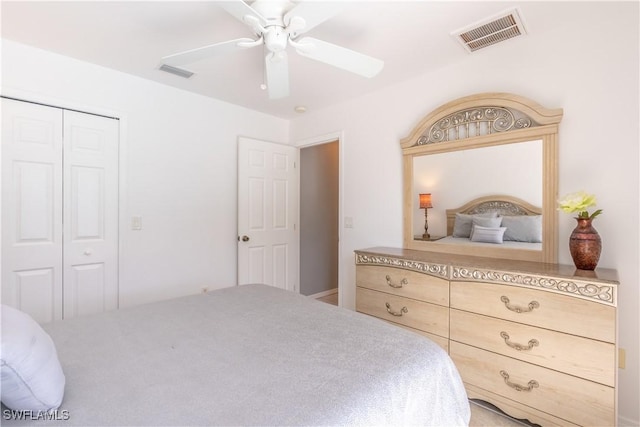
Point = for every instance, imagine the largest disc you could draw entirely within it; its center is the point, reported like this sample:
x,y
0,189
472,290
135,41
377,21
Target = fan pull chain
x,y
263,86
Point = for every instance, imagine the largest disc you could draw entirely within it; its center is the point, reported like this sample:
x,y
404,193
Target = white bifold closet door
x,y
59,211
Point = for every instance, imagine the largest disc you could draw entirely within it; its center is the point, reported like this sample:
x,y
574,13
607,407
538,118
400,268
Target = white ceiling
x,y
411,37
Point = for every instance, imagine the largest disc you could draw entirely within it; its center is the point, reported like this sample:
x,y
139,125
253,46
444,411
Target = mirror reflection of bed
x,y
456,178
495,220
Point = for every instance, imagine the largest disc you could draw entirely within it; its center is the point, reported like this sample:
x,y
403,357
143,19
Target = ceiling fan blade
x,y
314,13
239,9
277,71
339,56
198,54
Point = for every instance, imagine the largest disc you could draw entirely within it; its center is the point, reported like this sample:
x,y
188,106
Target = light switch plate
x,y
348,222
136,223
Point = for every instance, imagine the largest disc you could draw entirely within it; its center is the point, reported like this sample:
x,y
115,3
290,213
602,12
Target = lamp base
x,y
426,236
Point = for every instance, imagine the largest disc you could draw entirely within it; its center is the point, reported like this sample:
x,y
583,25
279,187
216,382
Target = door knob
x,y
88,251
245,238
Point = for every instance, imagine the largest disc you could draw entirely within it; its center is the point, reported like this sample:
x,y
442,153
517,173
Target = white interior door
x,y
59,211
90,214
32,209
267,214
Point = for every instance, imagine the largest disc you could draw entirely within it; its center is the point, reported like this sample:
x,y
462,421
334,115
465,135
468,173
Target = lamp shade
x,y
425,201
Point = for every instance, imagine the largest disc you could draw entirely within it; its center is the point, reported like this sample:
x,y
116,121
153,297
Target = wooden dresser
x,y
537,340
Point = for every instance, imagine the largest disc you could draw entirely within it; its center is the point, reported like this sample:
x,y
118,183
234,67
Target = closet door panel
x,y
86,288
87,192
32,209
91,214
35,293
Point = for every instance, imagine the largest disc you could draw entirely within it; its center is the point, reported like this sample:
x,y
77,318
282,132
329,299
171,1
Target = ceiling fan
x,y
277,24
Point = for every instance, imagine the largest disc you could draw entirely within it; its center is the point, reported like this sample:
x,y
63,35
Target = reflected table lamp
x,y
425,203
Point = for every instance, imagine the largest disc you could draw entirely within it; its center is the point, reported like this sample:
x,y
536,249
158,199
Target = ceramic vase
x,y
585,245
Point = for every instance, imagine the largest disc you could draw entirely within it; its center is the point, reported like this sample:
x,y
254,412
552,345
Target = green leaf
x,y
596,213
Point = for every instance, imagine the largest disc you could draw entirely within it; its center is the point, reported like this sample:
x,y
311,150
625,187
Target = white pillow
x,y
487,234
31,375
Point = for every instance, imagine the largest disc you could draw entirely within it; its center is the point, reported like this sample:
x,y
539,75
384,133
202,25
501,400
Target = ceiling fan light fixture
x,y
275,39
267,20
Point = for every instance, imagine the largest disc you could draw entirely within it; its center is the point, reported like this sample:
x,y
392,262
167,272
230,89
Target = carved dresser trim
x,y
438,270
601,293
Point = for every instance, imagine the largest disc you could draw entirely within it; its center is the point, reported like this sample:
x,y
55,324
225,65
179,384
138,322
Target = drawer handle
x,y
402,282
530,385
530,307
519,347
396,313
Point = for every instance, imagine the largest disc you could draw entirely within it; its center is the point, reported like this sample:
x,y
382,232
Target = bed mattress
x,y
250,355
464,241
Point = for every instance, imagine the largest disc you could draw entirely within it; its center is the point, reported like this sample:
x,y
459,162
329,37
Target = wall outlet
x,y
622,358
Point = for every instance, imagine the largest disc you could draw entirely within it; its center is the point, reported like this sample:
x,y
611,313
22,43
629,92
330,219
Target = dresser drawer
x,y
582,357
565,396
404,311
537,307
405,283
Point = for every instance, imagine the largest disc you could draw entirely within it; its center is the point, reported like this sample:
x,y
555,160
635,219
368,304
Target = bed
x,y
249,355
503,220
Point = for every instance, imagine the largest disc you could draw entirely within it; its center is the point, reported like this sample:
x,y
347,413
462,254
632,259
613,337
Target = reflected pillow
x,y
32,378
486,222
523,228
463,222
487,234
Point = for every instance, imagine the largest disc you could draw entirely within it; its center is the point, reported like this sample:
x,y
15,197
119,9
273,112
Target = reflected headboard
x,y
503,205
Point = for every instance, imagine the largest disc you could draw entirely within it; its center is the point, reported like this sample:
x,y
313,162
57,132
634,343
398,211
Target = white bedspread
x,y
251,355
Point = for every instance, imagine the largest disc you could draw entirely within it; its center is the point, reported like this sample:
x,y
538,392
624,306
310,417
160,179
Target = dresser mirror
x,y
486,152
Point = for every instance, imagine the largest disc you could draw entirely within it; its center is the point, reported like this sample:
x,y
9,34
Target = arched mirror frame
x,y
485,120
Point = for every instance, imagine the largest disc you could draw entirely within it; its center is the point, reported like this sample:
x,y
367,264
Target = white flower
x,y
579,202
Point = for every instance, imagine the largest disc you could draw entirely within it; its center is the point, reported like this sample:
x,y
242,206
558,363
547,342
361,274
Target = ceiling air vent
x,y
177,71
487,32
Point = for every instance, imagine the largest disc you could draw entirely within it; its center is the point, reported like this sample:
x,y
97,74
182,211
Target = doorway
x,y
319,220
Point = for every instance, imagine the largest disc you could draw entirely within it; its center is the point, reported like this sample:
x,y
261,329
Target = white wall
x,y
179,167
592,75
